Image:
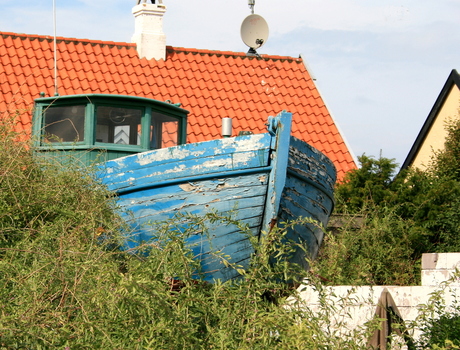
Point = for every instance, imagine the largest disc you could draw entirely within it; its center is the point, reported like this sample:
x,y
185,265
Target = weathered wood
x,y
308,193
257,179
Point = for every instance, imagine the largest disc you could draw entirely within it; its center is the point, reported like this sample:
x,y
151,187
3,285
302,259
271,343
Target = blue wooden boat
x,y
258,179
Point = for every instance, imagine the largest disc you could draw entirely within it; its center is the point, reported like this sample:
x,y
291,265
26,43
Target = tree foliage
x,y
405,215
446,162
378,252
371,183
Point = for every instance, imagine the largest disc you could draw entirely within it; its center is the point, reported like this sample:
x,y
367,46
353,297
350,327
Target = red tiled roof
x,y
210,84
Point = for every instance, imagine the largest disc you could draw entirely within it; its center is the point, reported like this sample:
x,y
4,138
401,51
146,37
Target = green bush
x,y
65,285
438,321
402,216
377,252
371,184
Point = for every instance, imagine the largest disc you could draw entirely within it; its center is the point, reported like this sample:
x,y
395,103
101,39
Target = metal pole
x,y
56,93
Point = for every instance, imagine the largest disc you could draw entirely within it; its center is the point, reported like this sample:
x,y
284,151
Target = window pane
x,y
64,124
118,125
164,131
170,134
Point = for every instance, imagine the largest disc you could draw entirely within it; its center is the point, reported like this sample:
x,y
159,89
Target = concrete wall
x,y
437,267
356,305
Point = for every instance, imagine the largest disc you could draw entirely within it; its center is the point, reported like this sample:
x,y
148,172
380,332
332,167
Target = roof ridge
x,y
452,79
171,49
66,40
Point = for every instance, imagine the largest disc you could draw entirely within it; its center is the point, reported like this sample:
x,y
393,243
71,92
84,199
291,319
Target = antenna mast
x,y
251,4
55,51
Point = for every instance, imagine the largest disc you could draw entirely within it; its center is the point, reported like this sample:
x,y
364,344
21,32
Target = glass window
x,y
164,131
64,124
118,125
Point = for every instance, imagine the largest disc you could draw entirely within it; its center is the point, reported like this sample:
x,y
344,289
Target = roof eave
x,y
453,79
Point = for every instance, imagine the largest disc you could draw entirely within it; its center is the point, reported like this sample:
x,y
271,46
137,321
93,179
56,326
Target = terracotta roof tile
x,y
210,84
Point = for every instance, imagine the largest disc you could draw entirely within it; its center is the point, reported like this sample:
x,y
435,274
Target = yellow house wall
x,y
434,140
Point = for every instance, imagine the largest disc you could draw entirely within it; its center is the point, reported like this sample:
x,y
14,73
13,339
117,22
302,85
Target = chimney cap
x,y
152,1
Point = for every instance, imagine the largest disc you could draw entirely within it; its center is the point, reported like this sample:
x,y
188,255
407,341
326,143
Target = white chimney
x,y
148,31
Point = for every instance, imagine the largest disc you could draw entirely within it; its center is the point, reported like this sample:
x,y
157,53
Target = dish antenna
x,y
254,32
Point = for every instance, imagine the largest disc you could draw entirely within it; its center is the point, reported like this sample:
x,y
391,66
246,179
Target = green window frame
x,y
110,122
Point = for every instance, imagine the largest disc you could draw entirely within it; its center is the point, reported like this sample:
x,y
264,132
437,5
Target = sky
x,y
379,65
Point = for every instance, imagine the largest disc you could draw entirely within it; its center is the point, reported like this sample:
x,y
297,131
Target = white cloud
x,y
336,14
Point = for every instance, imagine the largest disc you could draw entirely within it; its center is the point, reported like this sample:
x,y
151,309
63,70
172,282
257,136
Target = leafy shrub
x,y
377,252
371,184
438,321
403,216
65,285
36,196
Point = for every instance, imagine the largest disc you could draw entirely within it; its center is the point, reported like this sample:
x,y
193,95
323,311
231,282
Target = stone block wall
x,y
361,304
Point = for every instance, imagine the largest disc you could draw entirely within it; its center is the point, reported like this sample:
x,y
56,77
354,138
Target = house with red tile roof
x,y
210,84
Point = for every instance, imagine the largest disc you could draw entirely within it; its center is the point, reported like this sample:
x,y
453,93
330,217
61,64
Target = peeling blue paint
x,y
257,178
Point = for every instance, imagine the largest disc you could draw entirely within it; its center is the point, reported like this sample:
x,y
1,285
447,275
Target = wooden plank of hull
x,y
187,161
312,165
213,266
308,193
255,179
241,196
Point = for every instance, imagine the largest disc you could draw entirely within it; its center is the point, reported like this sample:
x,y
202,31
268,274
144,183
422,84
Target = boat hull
x,y
308,193
254,179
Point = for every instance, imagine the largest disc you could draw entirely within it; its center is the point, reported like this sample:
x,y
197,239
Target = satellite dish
x,y
254,32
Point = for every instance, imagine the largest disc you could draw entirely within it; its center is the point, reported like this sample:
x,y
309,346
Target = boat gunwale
x,y
210,176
